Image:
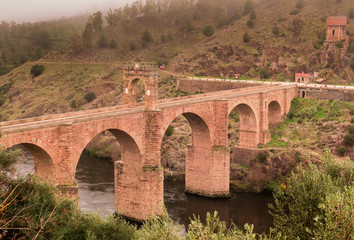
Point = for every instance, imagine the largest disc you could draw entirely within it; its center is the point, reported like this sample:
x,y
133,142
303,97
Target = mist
x,y
41,10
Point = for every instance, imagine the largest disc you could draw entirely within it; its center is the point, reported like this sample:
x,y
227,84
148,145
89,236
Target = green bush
x,y
351,129
301,209
349,139
246,37
294,12
102,42
339,44
132,46
341,150
37,70
300,4
263,73
250,23
89,97
208,31
2,100
351,12
170,130
113,43
352,120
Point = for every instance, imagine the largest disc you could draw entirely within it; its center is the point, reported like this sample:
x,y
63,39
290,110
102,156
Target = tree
x,y
246,38
250,23
113,43
300,4
253,15
102,42
87,35
37,70
351,13
96,21
208,31
248,7
76,42
147,37
296,27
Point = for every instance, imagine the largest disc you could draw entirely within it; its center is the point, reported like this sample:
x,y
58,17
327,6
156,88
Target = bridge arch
x,y
127,171
199,155
43,154
274,112
248,132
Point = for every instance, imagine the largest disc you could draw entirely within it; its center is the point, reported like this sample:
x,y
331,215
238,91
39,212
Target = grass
x,y
312,124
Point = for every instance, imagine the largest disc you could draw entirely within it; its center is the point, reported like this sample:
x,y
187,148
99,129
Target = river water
x,y
95,178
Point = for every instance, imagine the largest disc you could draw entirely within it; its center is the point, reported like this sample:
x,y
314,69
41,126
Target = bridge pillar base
x,y
138,195
70,191
208,171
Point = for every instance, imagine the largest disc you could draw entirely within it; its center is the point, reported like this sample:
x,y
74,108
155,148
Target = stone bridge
x,y
57,141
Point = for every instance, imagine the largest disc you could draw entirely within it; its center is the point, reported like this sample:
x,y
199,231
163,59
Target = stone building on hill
x,y
336,33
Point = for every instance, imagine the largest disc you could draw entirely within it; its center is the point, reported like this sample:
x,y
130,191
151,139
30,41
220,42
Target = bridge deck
x,y
120,110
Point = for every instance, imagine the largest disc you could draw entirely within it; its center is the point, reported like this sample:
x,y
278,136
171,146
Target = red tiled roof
x,y
302,74
342,20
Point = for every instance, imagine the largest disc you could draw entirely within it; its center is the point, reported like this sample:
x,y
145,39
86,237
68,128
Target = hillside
x,y
172,33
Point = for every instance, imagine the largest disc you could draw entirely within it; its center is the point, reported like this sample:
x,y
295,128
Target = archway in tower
x,y
137,88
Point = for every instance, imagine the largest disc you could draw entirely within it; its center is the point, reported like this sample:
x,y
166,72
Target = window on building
x,y
333,32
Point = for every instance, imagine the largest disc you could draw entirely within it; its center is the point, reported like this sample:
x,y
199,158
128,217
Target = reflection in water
x,y
241,208
95,178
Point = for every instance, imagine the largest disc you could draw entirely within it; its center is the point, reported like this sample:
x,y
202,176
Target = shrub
x,y
351,129
250,23
37,70
132,46
208,31
294,12
342,150
102,42
352,120
246,37
351,12
113,43
301,207
262,157
263,73
339,44
351,112
349,139
89,97
253,15
2,100
276,30
170,130
300,4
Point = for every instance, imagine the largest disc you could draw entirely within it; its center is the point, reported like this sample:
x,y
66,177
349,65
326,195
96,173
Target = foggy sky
x,y
38,10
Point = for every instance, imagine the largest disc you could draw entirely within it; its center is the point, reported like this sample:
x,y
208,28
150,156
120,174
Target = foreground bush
x,y
305,207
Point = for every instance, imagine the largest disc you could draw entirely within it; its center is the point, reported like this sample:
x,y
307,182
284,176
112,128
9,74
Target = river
x,y
95,178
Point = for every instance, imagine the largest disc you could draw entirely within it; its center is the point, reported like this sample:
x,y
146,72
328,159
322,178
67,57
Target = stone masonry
x,y
57,141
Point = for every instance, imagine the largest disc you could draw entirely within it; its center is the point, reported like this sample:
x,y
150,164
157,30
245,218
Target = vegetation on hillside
x,y
24,42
